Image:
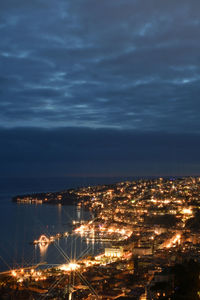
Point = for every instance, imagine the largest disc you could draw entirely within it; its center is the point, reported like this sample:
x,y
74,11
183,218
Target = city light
x,y
147,231
69,267
14,274
187,211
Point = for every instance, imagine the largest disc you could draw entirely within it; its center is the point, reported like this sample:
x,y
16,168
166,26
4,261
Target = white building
x,y
114,252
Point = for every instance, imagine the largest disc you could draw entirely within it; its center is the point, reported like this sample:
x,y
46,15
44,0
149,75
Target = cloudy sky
x,y
99,88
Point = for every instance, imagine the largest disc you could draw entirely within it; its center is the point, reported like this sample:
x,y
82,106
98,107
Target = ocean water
x,y
21,224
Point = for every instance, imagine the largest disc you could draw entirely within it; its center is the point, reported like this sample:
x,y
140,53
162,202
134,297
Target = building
x,y
114,252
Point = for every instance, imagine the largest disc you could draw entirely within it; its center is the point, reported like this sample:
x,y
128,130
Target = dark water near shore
x,y
21,224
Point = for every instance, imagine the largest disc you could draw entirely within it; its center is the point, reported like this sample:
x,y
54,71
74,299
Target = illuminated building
x,y
114,252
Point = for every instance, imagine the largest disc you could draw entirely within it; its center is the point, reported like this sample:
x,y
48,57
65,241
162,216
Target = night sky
x,y
99,88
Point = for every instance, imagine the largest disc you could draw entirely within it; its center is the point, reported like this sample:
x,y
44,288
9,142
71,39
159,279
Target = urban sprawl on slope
x,y
154,228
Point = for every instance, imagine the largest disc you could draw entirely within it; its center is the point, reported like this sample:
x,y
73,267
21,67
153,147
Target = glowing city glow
x,y
175,239
153,227
69,267
187,211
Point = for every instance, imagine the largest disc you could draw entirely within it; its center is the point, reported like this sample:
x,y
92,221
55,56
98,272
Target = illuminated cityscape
x,y
153,227
99,155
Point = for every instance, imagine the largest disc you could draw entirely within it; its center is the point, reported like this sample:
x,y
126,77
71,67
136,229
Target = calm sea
x,y
22,224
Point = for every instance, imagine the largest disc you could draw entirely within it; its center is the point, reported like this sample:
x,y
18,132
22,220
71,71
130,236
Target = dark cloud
x,y
99,87
102,152
116,64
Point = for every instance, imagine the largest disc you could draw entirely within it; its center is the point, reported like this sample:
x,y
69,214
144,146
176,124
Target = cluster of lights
x,y
21,275
187,211
175,239
43,240
69,267
84,229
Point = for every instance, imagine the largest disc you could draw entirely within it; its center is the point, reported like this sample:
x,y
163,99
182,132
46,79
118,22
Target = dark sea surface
x,y
21,224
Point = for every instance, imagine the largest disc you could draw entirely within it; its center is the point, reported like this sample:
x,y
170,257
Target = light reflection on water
x,y
43,249
22,224
78,213
29,222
